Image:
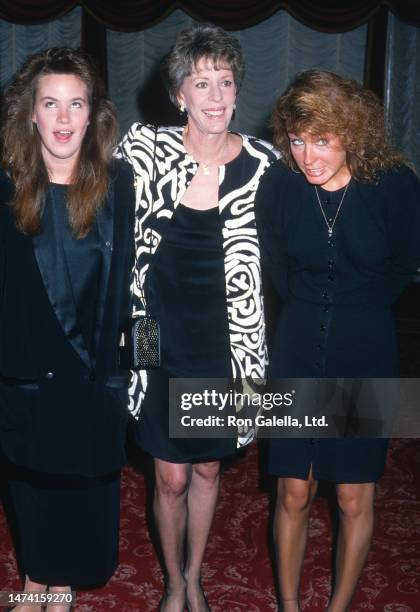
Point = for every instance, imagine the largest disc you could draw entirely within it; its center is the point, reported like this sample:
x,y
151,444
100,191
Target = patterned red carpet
x,y
238,569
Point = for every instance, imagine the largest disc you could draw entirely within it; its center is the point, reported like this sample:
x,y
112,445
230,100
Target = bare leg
x,y
170,507
35,587
356,527
294,500
57,606
202,498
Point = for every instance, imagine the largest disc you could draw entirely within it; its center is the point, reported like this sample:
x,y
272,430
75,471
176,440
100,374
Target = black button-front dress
x,y
337,292
187,295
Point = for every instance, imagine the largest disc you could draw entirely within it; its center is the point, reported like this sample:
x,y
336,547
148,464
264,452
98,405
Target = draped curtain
x,y
132,15
402,87
275,49
19,41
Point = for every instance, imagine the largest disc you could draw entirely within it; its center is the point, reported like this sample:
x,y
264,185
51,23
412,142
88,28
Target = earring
x,y
233,112
183,112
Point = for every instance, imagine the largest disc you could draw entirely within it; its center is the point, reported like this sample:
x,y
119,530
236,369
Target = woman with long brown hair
x,y
339,224
66,226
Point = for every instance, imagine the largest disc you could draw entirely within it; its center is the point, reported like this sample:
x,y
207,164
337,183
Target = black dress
x,y
187,295
337,294
67,526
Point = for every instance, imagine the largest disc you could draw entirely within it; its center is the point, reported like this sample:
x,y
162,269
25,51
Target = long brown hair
x,y
321,103
21,145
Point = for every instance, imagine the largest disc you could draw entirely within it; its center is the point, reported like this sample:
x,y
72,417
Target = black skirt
x,y
67,528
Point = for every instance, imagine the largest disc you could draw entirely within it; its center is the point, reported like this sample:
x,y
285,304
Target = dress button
x,y
325,308
326,295
330,242
330,263
49,375
322,328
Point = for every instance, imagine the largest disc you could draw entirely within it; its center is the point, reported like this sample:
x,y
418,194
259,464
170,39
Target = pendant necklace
x,y
207,166
330,226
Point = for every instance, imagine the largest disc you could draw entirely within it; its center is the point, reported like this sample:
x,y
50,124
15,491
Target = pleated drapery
x,y
275,49
132,15
19,41
402,88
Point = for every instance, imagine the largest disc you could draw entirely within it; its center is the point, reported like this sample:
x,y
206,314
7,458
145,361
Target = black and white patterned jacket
x,y
238,182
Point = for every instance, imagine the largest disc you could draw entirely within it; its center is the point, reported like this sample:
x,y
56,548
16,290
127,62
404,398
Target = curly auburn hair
x,y
21,144
321,103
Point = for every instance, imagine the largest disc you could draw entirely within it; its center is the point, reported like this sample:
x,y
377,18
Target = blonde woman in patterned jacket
x,y
196,243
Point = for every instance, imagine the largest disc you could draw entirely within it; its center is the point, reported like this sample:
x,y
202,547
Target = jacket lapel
x,y
105,223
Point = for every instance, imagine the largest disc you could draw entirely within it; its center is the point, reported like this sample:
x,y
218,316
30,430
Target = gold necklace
x,y
206,165
206,168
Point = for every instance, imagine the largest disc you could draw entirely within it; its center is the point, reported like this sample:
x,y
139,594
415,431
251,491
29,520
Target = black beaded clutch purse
x,y
145,343
142,340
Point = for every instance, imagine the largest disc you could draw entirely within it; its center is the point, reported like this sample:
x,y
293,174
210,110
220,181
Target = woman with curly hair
x,y
66,245
339,224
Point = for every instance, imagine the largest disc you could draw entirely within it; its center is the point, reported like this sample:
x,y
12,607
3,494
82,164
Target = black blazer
x,y
60,412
